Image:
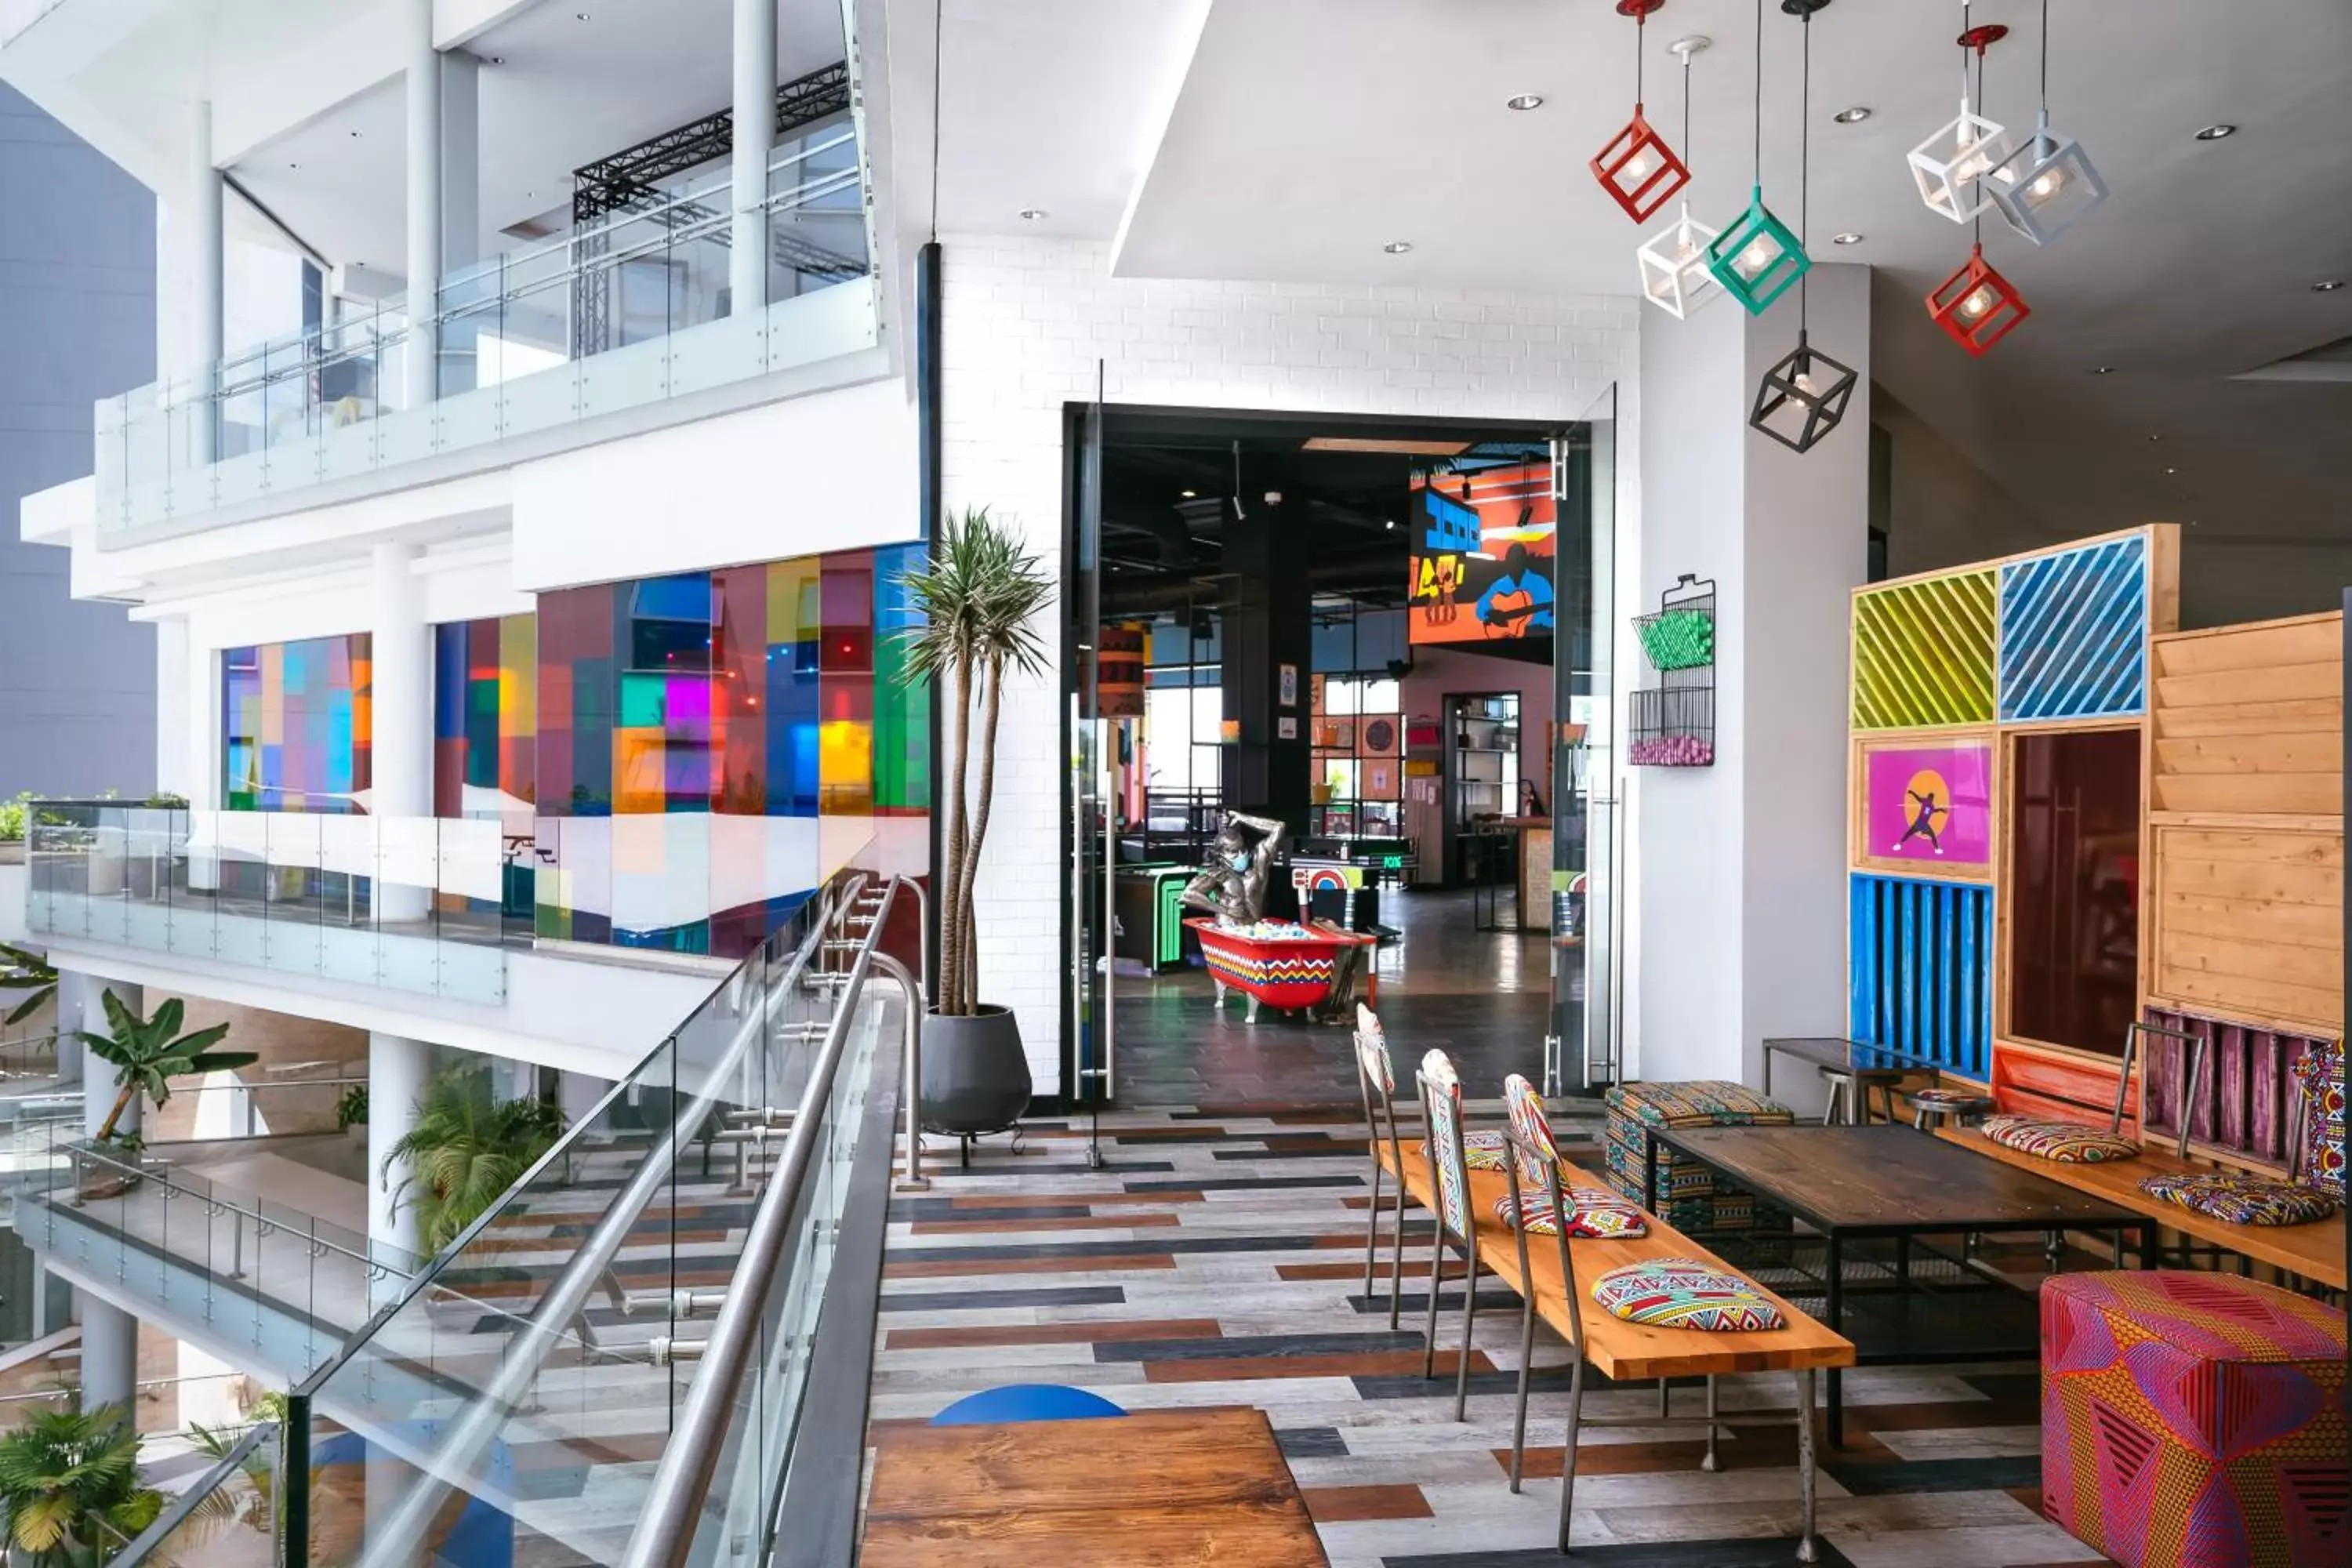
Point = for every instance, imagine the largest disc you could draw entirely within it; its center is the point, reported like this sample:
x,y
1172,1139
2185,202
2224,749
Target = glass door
x,y
1092,814
1581,1047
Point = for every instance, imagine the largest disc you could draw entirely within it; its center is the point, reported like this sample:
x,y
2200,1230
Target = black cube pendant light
x,y
1804,396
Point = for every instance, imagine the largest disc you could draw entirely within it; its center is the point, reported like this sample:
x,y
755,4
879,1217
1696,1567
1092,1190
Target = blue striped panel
x,y
1918,980
2073,632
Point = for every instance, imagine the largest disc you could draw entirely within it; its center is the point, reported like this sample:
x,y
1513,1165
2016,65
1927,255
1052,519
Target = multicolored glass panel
x,y
772,698
296,722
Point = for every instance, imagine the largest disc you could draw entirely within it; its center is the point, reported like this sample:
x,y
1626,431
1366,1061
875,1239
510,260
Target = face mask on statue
x,y
1240,862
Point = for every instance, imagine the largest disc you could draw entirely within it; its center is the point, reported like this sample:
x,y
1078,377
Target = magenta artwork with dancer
x,y
1930,804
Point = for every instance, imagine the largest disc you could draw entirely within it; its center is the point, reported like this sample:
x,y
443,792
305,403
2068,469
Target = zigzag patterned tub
x,y
1284,971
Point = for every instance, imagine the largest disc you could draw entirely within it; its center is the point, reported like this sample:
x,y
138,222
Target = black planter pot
x,y
975,1075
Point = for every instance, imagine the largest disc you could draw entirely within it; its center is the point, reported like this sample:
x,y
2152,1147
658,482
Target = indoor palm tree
x,y
979,593
466,1148
148,1053
63,1473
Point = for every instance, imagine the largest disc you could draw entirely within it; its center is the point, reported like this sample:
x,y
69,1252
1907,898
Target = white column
x,y
1741,918
206,263
423,67
755,134
401,771
398,1068
461,216
109,1355
175,767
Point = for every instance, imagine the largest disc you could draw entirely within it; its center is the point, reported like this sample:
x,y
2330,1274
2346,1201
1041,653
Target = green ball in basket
x,y
1679,639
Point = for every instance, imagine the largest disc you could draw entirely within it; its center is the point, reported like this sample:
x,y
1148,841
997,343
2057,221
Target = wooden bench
x,y
1622,1351
2314,1251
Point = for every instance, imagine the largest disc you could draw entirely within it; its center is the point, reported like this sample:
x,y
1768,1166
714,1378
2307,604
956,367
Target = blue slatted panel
x,y
1917,982
2074,632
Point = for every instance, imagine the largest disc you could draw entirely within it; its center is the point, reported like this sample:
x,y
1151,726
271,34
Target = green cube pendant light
x,y
1756,257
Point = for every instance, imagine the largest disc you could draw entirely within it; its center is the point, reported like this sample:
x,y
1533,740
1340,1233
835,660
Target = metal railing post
x,y
910,1093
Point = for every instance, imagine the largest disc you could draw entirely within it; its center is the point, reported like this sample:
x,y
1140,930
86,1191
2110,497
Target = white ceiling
x,y
1307,133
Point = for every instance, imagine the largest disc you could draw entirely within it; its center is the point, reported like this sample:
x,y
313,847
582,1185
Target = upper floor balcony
x,y
626,322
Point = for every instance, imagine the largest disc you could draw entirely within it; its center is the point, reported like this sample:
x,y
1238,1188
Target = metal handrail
x,y
472,1433
665,1534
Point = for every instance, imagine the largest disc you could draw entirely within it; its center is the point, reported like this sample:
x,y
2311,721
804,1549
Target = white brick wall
x,y
1025,322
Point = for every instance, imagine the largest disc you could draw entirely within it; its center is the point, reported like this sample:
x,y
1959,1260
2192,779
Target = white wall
x,y
1742,918
1025,321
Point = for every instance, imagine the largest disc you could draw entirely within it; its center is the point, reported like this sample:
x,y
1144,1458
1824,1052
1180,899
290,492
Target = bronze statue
x,y
1232,884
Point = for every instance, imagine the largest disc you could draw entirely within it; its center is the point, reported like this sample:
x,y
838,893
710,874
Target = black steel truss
x,y
627,178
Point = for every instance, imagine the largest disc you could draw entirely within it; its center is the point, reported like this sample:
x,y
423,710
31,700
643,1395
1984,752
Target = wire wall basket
x,y
1673,723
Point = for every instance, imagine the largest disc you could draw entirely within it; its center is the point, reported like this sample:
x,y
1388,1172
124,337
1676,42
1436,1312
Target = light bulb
x,y
1637,166
1804,381
1752,260
2049,182
1978,303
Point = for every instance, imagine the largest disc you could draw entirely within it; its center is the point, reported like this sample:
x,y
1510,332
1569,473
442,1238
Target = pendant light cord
x,y
1640,20
1760,94
1686,141
2045,58
1805,181
1976,224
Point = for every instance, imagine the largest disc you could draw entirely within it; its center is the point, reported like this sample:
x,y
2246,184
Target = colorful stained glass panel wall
x,y
486,716
296,720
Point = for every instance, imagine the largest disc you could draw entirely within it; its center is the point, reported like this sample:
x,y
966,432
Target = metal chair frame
x,y
1452,1167
1380,1126
1808,1546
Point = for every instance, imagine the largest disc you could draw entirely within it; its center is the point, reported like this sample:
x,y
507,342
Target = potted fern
x,y
980,594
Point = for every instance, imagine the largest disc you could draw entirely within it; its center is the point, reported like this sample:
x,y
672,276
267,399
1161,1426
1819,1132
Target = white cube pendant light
x,y
2044,186
1674,274
1950,168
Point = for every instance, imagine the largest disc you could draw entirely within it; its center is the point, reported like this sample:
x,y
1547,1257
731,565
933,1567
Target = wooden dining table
x,y
1166,1488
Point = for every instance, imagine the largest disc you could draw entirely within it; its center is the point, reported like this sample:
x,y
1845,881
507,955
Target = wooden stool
x,y
1931,1107
1842,1082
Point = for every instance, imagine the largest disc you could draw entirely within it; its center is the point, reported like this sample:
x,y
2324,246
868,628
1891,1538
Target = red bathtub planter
x,y
1285,968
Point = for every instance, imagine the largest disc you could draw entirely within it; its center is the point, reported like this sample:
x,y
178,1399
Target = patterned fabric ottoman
x,y
1690,1196
2193,1419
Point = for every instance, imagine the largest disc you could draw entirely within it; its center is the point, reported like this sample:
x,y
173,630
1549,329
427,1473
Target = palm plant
x,y
24,970
65,1473
148,1053
979,593
466,1148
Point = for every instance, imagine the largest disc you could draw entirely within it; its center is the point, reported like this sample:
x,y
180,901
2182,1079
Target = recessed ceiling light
x,y
579,15
355,135
497,59
2327,286
2216,132
2103,370
1525,100
1848,237
2172,470
293,166
1397,247
1188,495
530,195
1854,116
1031,214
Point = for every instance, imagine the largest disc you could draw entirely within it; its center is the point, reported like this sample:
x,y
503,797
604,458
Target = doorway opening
x,y
1374,640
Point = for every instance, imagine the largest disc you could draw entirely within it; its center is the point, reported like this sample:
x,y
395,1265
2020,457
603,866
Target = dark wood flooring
x,y
1482,998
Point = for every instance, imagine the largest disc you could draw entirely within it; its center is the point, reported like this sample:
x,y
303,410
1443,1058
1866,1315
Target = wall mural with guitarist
x,y
1484,530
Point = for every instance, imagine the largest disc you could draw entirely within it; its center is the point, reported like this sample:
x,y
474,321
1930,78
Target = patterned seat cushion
x,y
1946,1097
1484,1151
2319,1072
2063,1141
1684,1293
2236,1198
1596,1214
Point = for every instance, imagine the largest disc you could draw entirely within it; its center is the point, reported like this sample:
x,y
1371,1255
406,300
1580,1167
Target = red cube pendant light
x,y
1977,306
1637,168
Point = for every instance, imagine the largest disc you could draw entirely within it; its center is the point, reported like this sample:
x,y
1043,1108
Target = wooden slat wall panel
x,y
1920,957
2250,719
2244,1105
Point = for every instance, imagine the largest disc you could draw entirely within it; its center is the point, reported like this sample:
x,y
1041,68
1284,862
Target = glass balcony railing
x,y
634,311
409,903
611,1365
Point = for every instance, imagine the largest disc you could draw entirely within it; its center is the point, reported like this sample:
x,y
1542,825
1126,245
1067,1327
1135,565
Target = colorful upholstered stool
x,y
2236,1198
2193,1419
1690,1196
2064,1142
1931,1108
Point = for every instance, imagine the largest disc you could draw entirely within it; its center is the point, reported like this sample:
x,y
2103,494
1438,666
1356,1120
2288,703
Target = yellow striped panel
x,y
1922,652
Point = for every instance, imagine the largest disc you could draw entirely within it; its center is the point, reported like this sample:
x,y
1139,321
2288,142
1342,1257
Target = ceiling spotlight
x,y
1854,116
293,166
579,15
1524,101
1031,214
1389,525
1188,495
355,135
2172,470
497,59
2216,132
2103,370
2327,286
1848,237
1397,247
